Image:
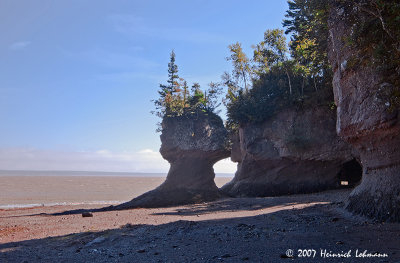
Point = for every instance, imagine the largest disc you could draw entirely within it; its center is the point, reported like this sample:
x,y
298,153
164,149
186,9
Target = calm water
x,y
34,188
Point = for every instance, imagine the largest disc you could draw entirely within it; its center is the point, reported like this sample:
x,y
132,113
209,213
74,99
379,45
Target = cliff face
x,y
192,146
293,152
364,120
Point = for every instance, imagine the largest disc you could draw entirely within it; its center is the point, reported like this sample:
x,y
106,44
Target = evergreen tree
x,y
212,96
197,99
185,94
164,104
175,98
307,21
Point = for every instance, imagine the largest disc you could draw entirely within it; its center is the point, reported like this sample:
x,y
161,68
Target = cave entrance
x,y
350,174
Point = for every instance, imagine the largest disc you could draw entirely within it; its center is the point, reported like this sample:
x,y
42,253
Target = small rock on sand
x,y
87,214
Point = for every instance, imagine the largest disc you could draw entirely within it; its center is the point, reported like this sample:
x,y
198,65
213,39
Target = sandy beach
x,y
228,230
200,131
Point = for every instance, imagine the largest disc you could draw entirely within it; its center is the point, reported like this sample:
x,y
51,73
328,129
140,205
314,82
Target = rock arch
x,y
192,145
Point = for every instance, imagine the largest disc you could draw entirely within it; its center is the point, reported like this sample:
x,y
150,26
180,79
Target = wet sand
x,y
66,190
228,230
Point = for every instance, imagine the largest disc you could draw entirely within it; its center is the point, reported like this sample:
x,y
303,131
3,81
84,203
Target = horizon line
x,y
104,172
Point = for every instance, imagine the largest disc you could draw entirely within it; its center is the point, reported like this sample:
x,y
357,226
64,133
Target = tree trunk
x,y
290,84
245,83
315,84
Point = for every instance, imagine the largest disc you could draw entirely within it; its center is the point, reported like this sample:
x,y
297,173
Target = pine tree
x,y
307,21
176,100
212,96
164,104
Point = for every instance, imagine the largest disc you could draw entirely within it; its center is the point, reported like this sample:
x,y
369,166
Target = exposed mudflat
x,y
228,230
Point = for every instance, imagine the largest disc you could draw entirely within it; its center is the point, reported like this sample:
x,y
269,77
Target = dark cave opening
x,y
350,174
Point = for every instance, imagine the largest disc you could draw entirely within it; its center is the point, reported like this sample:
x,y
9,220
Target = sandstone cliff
x,y
192,145
363,118
293,152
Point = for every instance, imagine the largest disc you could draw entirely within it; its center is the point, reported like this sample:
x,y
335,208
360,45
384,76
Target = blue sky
x,y
77,77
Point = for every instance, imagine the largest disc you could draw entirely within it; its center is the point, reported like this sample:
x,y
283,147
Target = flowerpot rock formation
x,y
192,145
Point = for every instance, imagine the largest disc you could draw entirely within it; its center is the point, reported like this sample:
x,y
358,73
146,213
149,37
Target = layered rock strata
x,y
366,119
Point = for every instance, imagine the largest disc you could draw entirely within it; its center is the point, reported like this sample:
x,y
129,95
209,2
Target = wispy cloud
x,y
102,160
145,160
131,25
20,45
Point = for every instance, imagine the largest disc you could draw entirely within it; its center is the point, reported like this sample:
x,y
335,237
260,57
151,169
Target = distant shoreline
x,y
49,188
88,173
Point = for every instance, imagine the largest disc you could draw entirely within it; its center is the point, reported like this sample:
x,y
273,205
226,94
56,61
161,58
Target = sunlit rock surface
x,y
364,119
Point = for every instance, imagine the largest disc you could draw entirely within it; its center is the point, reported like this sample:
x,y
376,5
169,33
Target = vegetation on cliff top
x,y
281,75
299,75
176,99
375,36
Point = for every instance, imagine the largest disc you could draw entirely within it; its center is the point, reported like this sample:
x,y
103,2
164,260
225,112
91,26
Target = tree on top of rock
x,y
167,91
175,98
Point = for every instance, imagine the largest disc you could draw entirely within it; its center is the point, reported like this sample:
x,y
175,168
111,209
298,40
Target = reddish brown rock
x,y
192,145
364,119
296,151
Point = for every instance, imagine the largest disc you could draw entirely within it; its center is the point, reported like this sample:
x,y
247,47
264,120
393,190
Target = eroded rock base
x,y
189,181
378,195
285,177
165,198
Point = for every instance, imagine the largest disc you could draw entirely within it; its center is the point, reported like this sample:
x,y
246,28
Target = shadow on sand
x,y
223,204
261,238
